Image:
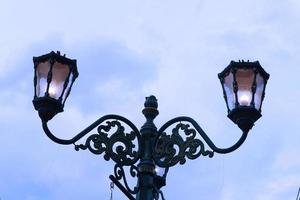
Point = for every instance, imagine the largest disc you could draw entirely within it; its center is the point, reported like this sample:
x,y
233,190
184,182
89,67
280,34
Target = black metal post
x,y
146,165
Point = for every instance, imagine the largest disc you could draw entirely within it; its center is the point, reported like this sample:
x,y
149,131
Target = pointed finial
x,y
151,102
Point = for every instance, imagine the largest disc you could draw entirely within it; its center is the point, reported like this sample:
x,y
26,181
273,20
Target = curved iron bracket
x,y
118,146
171,149
119,174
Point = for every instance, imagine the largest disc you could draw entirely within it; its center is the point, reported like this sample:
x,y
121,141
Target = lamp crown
x,y
151,102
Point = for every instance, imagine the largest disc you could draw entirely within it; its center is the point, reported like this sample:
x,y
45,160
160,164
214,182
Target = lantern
x,y
54,75
244,86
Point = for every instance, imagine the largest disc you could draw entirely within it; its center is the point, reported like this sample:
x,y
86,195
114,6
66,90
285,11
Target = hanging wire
x,y
222,174
111,190
298,194
157,194
162,195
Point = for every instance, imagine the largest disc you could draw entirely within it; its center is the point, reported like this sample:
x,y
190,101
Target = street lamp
x,y
54,76
244,86
149,149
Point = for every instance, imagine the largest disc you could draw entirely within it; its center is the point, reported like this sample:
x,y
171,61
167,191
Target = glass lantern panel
x,y
245,79
259,91
68,88
60,73
228,87
42,74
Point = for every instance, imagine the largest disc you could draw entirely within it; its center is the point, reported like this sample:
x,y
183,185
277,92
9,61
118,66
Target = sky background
x,y
129,49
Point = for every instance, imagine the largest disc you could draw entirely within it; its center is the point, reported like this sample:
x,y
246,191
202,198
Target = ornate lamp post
x,y
144,150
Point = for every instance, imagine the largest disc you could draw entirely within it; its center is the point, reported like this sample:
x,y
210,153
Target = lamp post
x,y
146,149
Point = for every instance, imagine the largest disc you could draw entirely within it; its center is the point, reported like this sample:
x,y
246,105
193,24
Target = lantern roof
x,y
72,63
244,65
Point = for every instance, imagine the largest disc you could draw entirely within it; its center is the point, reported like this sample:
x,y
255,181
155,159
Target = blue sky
x,y
129,49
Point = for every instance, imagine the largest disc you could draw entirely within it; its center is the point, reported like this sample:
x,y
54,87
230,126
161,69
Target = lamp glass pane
x,y
60,73
42,74
228,87
68,88
259,91
244,78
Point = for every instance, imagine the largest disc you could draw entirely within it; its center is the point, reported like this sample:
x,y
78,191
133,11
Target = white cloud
x,y
279,188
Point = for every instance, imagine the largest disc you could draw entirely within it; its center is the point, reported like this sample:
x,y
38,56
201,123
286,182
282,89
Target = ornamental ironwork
x,y
143,151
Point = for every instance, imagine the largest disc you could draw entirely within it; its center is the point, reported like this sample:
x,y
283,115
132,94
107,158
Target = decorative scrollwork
x,y
120,174
172,149
118,146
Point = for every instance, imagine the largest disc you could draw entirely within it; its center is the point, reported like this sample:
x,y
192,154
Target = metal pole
x,y
146,165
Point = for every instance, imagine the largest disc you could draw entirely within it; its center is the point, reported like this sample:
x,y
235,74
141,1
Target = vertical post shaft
x,y
146,165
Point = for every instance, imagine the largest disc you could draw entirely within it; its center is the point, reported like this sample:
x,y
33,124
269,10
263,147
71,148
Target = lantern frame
x,y
244,115
46,105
